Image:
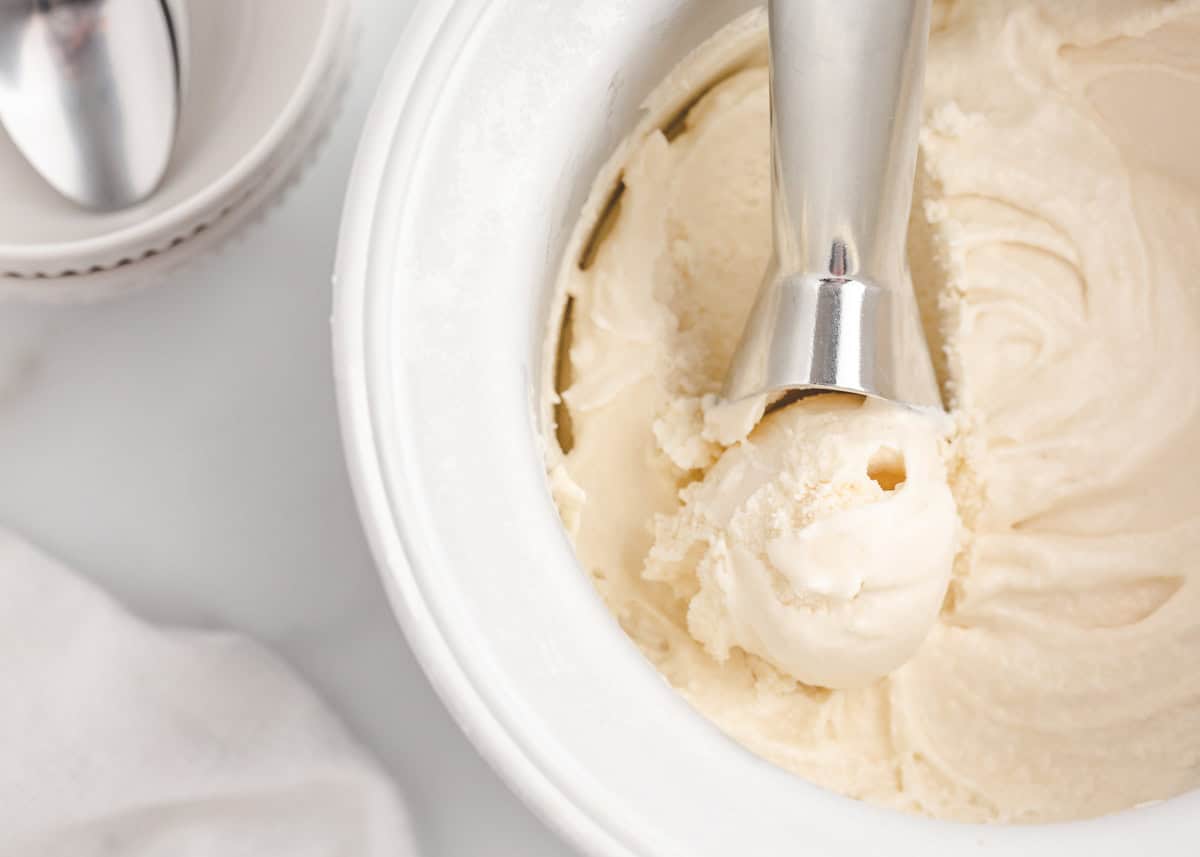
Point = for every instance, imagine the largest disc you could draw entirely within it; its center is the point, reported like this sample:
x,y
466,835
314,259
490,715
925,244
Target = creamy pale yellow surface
x,y
1055,247
823,543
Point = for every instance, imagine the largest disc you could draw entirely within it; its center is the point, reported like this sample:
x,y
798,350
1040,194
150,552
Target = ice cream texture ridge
x,y
994,616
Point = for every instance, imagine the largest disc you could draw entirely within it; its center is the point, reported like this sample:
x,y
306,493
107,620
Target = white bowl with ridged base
x,y
264,83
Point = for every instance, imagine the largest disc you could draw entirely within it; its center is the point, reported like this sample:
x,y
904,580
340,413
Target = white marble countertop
x,y
181,447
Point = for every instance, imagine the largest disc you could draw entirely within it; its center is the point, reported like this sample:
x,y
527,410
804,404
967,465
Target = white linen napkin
x,y
126,740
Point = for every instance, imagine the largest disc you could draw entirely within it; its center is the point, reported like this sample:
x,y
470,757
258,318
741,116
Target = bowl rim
x,y
386,142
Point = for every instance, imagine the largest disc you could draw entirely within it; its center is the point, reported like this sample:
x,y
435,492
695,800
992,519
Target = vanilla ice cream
x,y
823,543
994,619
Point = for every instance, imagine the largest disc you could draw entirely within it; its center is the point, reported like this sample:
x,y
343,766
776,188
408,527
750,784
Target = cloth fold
x,y
121,738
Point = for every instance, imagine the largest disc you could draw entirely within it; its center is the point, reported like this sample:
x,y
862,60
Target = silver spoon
x,y
836,310
90,93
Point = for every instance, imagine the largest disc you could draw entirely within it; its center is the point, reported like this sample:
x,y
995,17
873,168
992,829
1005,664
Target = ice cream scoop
x,y
836,310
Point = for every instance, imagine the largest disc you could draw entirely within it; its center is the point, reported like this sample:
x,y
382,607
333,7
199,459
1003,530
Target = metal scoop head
x,y
836,310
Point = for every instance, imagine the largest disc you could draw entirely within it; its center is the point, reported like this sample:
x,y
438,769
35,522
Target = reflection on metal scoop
x,y
90,93
837,310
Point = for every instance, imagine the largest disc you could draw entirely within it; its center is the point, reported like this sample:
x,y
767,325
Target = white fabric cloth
x,y
123,739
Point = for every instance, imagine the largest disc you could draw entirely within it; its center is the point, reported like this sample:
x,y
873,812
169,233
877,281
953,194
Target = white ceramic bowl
x,y
263,83
488,129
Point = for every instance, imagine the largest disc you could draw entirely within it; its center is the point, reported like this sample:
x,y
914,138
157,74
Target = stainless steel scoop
x,y
836,310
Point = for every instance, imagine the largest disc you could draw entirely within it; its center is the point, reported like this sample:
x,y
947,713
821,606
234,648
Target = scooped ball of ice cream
x,y
823,543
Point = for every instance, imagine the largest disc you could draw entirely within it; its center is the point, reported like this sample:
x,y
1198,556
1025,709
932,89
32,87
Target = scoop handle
x,y
846,82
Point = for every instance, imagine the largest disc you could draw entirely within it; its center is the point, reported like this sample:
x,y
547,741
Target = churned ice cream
x,y
991,618
822,543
